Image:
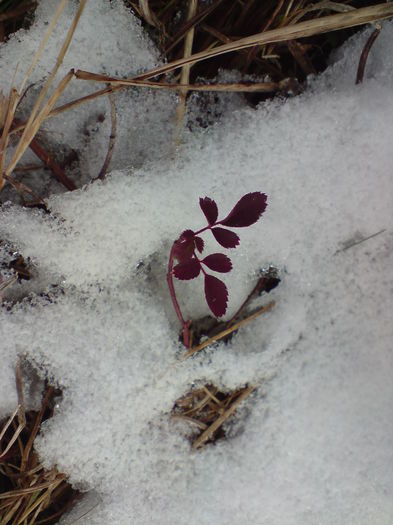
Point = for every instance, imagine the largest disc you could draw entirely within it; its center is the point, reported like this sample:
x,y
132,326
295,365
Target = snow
x,y
313,443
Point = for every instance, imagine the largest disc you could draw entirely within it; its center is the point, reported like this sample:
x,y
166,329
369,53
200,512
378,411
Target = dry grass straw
x,y
30,494
207,409
185,72
325,24
40,111
308,28
225,333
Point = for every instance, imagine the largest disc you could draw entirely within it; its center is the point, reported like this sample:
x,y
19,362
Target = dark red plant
x,y
185,250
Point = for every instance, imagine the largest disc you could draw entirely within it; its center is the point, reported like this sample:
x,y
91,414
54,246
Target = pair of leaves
x,y
245,213
218,262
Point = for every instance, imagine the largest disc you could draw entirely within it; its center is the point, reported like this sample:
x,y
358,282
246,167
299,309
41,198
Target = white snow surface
x,y
313,444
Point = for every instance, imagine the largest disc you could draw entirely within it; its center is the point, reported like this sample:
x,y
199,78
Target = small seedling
x,y
185,251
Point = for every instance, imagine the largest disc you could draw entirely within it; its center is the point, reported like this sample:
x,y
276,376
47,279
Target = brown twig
x,y
257,288
50,163
112,139
365,53
22,188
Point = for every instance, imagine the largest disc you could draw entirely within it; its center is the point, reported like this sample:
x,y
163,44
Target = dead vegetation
x,y
206,410
30,494
257,39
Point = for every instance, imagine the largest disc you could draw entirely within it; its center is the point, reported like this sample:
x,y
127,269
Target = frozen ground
x,y
313,445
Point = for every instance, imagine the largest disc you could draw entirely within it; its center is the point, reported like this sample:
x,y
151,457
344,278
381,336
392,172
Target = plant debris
x,y
28,492
207,409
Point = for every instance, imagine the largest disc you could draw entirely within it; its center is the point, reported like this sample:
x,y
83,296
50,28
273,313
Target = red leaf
x,y
247,211
218,262
187,270
199,244
216,294
183,248
226,238
209,208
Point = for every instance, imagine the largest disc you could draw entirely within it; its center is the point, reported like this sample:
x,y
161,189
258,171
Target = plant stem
x,y
169,278
209,227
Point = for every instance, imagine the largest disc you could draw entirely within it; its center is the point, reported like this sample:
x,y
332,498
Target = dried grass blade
x,y
147,13
59,61
33,126
34,123
11,442
229,330
6,426
230,87
43,43
325,24
29,445
30,490
10,514
216,425
185,73
10,112
41,500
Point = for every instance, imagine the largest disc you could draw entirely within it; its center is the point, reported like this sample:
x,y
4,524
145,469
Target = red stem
x,y
169,278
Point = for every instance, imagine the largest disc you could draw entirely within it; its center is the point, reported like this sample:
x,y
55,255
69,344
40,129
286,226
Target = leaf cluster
x,y
190,245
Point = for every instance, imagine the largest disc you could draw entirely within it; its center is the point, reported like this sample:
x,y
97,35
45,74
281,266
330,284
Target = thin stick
x,y
49,162
19,186
229,330
112,138
216,425
256,289
124,82
365,52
